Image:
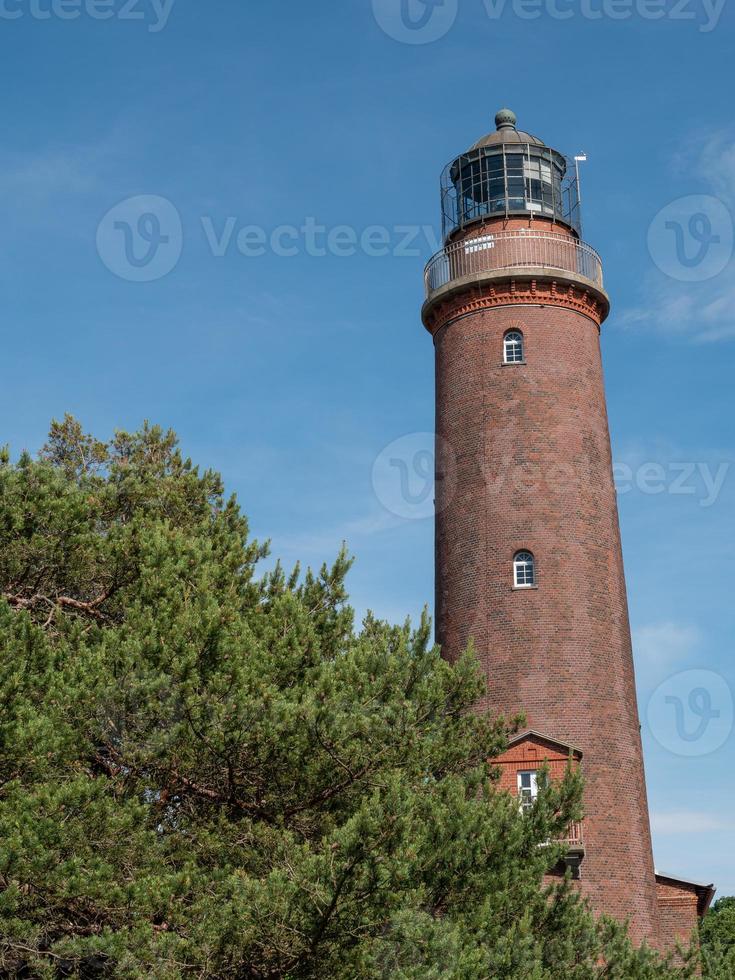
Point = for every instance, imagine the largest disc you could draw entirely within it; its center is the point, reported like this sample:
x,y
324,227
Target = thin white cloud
x,y
328,541
661,644
46,171
373,523
689,822
699,310
702,311
709,156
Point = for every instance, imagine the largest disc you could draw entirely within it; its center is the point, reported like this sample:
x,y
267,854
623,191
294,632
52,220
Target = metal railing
x,y
574,835
508,250
509,178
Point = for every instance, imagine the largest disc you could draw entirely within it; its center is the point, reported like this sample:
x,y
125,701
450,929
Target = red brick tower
x,y
528,555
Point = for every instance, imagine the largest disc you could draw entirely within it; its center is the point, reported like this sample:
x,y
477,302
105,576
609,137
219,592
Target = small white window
x,y
513,347
480,244
524,570
537,170
527,788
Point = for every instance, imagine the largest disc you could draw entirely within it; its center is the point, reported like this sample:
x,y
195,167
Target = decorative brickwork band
x,y
539,292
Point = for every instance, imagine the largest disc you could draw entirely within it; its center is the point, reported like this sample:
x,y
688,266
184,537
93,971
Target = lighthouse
x,y
529,564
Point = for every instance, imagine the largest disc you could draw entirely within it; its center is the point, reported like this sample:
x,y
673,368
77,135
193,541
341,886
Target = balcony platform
x,y
478,263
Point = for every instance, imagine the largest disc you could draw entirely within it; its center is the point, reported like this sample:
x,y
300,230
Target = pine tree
x,y
207,771
717,935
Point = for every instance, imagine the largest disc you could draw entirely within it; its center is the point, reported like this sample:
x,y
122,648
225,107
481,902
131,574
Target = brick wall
x,y
531,449
531,752
678,904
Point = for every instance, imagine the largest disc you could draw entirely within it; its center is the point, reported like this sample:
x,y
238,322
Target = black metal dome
x,y
506,132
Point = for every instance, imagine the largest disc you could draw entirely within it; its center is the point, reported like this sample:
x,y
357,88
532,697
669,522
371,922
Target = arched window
x,y
524,570
513,347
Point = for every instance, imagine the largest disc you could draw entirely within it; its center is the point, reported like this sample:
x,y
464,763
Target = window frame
x,y
516,344
527,796
522,560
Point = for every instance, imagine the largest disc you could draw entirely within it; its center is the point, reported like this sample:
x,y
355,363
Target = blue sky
x,y
292,373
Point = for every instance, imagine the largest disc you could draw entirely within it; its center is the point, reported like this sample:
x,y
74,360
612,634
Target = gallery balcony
x,y
574,839
474,262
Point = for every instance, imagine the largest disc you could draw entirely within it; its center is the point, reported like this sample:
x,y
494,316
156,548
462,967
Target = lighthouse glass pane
x,y
524,569
516,182
539,188
508,179
495,183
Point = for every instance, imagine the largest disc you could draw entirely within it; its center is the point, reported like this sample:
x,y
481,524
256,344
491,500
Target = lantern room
x,y
509,173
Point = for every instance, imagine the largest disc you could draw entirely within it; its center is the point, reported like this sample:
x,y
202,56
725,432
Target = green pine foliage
x,y
206,771
717,937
